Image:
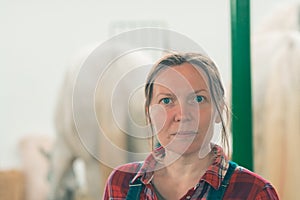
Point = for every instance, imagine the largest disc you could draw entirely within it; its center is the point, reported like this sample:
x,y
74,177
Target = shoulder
x,y
128,167
118,181
123,174
247,184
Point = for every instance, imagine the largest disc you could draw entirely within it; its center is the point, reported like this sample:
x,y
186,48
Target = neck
x,y
188,168
187,164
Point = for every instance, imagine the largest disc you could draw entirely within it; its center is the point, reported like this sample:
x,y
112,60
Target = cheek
x,y
158,117
206,118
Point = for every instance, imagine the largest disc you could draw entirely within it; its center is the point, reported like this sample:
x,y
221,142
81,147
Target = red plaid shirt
x,y
244,184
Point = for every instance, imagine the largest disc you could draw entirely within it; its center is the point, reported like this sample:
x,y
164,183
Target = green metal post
x,y
241,83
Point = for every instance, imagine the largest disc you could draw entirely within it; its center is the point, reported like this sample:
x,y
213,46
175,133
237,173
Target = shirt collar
x,y
213,176
150,165
215,173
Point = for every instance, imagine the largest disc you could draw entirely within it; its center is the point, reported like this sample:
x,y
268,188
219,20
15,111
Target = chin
x,y
184,149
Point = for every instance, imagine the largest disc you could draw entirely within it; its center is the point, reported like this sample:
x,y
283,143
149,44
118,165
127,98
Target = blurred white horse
x,y
276,99
117,92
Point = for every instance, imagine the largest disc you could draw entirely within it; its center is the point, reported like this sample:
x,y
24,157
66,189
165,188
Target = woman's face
x,y
181,110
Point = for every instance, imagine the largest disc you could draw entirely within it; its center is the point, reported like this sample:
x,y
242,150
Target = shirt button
x,y
188,197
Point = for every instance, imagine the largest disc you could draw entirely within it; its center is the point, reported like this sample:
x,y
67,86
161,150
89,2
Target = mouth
x,y
185,133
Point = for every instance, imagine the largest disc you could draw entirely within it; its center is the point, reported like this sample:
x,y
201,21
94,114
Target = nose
x,y
183,113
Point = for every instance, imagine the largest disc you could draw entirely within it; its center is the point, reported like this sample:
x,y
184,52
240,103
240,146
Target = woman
x,y
184,100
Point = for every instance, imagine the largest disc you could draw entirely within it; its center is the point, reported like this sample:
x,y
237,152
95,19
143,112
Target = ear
x,y
218,118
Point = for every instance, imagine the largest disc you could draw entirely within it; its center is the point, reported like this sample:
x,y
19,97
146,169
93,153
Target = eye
x,y
166,101
199,99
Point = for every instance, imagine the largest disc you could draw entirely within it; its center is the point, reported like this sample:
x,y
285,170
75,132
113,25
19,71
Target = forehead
x,y
181,77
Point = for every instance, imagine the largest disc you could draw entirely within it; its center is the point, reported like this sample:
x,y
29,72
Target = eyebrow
x,y
201,90
164,94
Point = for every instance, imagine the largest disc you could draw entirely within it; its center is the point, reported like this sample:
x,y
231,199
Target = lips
x,y
185,133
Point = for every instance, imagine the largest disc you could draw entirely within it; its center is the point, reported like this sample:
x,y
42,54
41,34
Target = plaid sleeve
x,y
117,184
245,184
268,193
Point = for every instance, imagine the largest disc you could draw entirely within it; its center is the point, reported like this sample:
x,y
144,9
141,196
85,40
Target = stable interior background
x,y
39,39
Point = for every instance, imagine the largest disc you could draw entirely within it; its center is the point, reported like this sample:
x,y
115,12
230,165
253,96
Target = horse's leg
x,y
61,162
93,178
